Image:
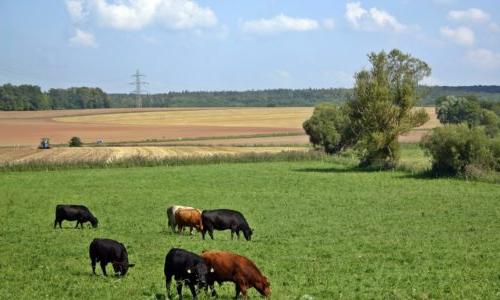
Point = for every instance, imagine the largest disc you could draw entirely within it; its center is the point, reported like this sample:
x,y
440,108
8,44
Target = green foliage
x,y
392,236
381,108
328,128
456,148
75,142
31,97
456,110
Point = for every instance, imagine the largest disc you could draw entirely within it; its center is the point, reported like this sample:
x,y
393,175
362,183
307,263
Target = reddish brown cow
x,y
238,269
188,217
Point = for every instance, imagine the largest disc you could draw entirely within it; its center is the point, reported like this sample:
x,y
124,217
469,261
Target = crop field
x,y
322,231
266,126
110,154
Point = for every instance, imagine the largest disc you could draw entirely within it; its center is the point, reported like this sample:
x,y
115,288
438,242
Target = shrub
x,y
458,149
328,128
75,142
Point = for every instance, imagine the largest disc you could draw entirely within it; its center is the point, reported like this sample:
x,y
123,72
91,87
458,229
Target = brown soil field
x,y
141,125
66,154
26,128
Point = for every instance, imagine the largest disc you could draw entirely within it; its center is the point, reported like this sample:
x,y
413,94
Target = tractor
x,y
44,144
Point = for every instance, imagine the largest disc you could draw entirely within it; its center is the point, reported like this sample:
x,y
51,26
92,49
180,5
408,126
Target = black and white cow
x,y
109,251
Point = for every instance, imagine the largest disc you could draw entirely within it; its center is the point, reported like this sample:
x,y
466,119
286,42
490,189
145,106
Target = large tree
x,y
382,107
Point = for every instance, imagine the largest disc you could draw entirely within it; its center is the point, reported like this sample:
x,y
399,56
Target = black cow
x,y
109,251
186,267
78,213
222,219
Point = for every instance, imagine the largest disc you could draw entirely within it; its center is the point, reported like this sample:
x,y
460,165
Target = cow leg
x,y
55,223
93,263
211,233
190,230
180,228
238,234
244,291
103,268
237,288
193,290
179,289
212,287
203,232
168,281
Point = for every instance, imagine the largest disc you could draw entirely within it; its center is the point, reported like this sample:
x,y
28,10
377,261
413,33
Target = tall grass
x,y
142,161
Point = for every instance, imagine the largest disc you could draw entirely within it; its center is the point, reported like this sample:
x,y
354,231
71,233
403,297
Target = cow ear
x,y
212,270
188,271
131,265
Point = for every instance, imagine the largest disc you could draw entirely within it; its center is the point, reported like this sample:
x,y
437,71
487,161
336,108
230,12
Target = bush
x,y
75,142
458,150
327,128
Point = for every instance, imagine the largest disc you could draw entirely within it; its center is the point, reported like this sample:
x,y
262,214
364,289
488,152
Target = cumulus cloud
x,y
371,20
136,14
82,38
461,35
473,14
484,58
280,23
76,10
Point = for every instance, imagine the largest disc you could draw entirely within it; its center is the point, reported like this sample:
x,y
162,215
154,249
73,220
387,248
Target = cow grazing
x,y
238,269
171,214
222,219
186,267
188,217
109,251
78,213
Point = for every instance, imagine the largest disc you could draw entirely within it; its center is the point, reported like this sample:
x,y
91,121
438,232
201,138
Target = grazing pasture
x,y
321,230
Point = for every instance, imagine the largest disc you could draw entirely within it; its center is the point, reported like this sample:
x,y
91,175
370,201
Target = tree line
x,y
31,97
286,97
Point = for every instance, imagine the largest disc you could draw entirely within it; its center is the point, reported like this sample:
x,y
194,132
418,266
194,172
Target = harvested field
x,y
26,128
65,154
150,126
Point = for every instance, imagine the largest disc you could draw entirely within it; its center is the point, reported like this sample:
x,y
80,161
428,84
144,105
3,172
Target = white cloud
x,y
484,58
461,35
431,81
372,20
473,14
328,23
82,38
278,24
76,10
494,27
137,14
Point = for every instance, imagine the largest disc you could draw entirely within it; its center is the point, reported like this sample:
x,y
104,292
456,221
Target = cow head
x,y
122,267
199,273
94,221
264,287
247,232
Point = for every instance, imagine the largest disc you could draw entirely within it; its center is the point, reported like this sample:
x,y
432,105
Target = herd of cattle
x,y
196,271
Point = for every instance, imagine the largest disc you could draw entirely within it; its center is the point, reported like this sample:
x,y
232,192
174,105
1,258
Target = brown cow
x,y
238,269
188,217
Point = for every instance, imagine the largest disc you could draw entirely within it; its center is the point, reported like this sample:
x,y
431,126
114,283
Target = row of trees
x,y
380,109
285,97
31,97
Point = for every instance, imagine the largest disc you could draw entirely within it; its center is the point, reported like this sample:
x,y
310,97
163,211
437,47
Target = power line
x,y
138,87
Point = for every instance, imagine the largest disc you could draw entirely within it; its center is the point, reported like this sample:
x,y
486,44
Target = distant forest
x,y
31,97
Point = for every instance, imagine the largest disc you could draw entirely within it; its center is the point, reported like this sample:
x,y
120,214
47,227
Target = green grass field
x,y
321,229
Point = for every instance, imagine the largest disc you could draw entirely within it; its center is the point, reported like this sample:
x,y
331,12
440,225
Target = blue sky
x,y
239,45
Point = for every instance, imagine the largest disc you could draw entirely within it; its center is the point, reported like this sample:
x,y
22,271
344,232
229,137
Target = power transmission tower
x,y
138,87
